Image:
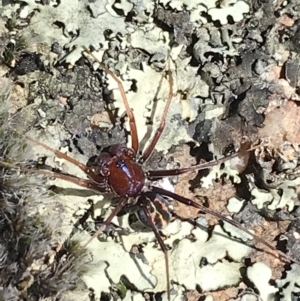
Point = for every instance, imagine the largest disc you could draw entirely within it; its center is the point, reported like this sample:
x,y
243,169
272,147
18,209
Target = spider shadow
x,y
110,229
153,110
210,231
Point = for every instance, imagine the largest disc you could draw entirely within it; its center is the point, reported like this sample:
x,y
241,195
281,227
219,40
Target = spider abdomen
x,y
158,208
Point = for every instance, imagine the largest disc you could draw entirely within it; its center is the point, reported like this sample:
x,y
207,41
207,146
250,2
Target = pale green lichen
x,y
260,275
283,196
84,24
235,9
235,205
80,28
290,286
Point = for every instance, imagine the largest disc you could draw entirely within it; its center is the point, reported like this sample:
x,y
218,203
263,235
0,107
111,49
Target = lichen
x,y
234,65
290,284
260,275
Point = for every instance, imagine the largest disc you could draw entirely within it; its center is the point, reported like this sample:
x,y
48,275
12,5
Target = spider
x,y
120,171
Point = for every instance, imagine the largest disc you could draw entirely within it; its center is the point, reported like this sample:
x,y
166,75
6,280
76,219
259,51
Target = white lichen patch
x,y
132,296
72,295
216,172
209,298
85,23
148,271
149,99
220,275
189,254
283,196
236,232
260,275
221,244
235,9
249,296
52,137
235,205
186,253
290,286
111,261
261,197
73,198
150,85
176,230
188,4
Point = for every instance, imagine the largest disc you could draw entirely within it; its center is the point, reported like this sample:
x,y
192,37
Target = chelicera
x,y
120,171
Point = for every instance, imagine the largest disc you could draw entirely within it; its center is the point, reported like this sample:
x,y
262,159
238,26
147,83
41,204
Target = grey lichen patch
x,y
116,260
144,10
189,254
149,83
153,39
188,81
74,295
260,275
89,24
80,29
72,197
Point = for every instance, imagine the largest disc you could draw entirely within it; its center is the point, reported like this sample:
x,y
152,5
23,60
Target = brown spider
x,y
120,171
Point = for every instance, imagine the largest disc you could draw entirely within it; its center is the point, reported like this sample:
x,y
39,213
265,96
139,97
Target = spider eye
x,y
120,163
104,170
130,153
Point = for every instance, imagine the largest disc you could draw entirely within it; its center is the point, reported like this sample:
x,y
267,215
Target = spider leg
x,y
61,155
143,206
189,202
132,123
120,205
148,151
99,186
152,174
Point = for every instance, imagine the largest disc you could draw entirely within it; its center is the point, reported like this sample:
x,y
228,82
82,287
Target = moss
x,y
29,260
